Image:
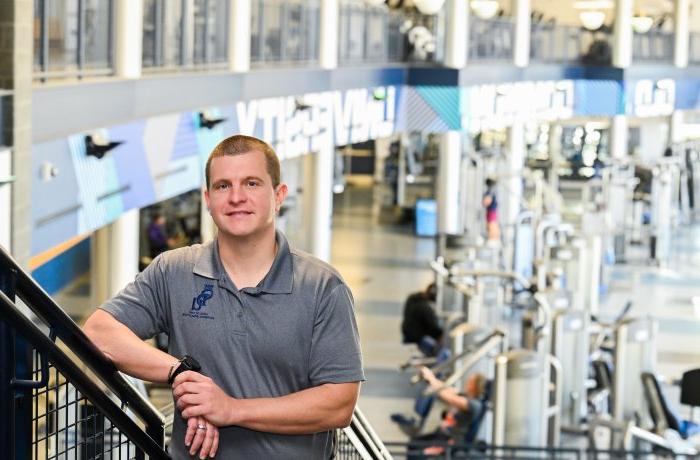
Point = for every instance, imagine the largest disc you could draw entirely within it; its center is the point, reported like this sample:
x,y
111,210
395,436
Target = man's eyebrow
x,y
254,178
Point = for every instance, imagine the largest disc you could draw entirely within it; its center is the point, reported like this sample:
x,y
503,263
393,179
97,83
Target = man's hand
x,y
206,439
198,396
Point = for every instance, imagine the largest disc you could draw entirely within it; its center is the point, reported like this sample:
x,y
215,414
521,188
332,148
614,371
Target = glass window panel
x,y
356,34
295,32
255,42
38,5
272,30
376,32
312,46
218,32
97,40
63,34
172,33
149,51
200,31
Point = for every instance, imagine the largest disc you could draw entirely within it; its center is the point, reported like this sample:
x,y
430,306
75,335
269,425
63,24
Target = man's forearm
x,y
316,409
312,410
129,353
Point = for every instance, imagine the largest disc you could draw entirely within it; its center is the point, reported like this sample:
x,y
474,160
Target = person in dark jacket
x,y
419,318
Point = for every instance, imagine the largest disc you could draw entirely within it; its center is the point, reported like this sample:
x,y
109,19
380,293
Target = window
x,y
210,31
180,33
284,31
72,38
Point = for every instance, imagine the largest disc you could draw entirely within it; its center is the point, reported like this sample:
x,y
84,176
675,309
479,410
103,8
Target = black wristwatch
x,y
186,363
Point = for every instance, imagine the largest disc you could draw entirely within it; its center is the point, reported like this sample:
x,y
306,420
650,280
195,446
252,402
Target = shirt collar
x,y
279,278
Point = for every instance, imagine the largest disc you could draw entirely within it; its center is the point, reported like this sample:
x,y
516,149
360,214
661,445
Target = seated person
x,y
461,421
420,321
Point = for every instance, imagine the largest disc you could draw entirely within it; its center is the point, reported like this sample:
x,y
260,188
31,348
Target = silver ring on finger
x,y
202,427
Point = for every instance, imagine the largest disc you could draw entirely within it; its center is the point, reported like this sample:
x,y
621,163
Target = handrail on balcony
x,y
61,326
81,381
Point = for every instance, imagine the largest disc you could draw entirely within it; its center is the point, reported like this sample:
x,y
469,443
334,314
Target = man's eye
x,y
252,183
221,186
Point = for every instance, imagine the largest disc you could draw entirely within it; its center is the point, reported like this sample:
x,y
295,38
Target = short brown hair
x,y
240,144
480,383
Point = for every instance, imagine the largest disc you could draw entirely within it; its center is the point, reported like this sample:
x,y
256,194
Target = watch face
x,y
191,363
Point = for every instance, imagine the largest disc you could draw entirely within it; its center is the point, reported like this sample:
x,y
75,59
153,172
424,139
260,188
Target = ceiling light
x,y
642,24
592,20
485,9
429,6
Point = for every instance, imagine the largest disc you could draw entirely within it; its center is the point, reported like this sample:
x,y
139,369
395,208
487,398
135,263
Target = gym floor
x,y
383,264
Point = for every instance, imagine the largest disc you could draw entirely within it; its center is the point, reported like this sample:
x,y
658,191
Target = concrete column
x,y
510,187
16,30
322,209
239,36
619,136
448,193
511,190
329,34
128,38
457,34
207,228
676,127
681,32
115,256
622,34
521,15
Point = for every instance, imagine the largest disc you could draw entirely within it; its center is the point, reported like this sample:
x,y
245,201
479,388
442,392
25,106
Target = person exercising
x,y
465,410
493,231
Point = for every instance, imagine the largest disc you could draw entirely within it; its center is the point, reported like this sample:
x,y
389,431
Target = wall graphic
x,y
75,193
162,156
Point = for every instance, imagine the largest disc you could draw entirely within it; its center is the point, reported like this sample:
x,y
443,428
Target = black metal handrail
x,y
488,451
78,378
63,327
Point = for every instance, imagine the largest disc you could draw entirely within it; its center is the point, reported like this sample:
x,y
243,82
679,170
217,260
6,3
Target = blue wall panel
x,y
598,98
57,273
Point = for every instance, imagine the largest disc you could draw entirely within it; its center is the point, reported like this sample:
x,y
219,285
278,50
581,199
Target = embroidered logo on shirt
x,y
200,302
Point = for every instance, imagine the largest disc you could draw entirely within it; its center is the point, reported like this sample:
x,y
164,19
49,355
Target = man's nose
x,y
237,194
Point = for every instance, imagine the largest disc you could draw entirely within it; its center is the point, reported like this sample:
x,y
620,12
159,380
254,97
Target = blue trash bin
x,y
426,217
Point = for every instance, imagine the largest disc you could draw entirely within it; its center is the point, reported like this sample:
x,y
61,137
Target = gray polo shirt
x,y
295,330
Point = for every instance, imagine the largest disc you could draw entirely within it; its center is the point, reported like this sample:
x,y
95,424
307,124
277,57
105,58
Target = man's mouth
x,y
238,213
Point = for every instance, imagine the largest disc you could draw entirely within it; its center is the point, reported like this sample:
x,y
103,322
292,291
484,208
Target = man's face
x,y
241,197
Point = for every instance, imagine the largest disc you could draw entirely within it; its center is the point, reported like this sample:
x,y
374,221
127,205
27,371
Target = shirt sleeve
x,y
140,306
335,343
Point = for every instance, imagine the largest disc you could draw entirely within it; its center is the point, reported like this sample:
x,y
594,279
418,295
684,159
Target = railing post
x,y
15,362
7,435
157,433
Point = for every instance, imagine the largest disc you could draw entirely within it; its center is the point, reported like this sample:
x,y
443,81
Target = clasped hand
x,y
203,404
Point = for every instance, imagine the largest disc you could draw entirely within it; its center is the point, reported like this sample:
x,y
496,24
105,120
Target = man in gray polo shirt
x,y
272,327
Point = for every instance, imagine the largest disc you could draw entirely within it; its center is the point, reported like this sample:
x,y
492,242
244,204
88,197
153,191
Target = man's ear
x,y
280,195
206,199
